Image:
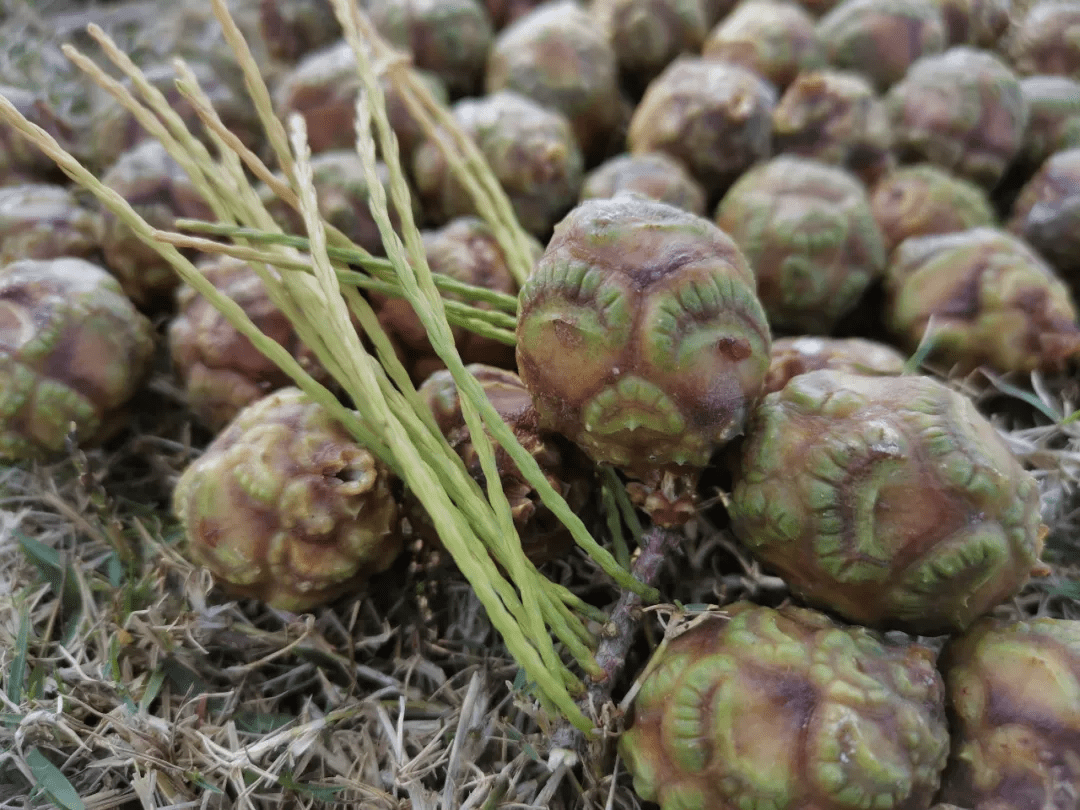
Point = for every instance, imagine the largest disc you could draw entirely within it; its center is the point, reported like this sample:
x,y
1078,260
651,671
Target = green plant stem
x,y
382,269
462,155
479,321
453,527
407,254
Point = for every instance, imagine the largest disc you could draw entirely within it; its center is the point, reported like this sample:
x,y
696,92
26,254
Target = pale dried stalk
x,y
463,157
506,612
479,414
382,269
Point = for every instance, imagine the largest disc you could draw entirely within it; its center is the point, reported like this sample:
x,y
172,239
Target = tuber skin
x,y
889,500
449,38
775,39
648,34
799,355
641,340
990,299
650,174
640,337
836,117
159,190
466,250
881,39
560,57
285,507
220,368
1047,214
73,350
44,221
1045,41
760,708
962,110
924,200
531,150
1013,695
713,117
807,230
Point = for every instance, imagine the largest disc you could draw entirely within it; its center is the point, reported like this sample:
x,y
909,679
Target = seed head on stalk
x,y
543,537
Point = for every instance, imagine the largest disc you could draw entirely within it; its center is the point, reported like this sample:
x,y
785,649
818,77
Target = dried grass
x,y
146,687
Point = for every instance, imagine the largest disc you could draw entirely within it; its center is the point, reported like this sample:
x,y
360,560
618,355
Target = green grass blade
x,y
17,670
49,780
153,689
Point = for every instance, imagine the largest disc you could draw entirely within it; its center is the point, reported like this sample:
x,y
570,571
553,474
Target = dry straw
x,y
309,280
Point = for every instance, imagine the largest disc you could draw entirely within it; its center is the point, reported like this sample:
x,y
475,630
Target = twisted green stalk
x,y
382,269
498,326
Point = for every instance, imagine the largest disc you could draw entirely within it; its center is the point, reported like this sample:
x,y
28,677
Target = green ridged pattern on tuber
x,y
889,500
880,39
988,298
774,38
764,709
793,356
1013,695
650,174
808,233
640,336
836,117
284,506
961,110
73,349
924,200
